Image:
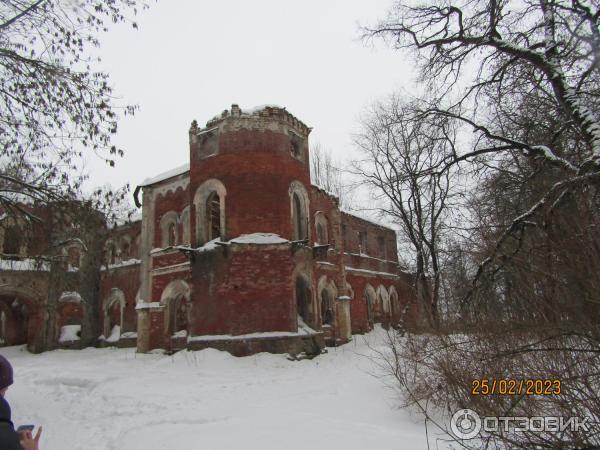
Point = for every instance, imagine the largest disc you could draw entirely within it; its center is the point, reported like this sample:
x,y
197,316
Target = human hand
x,y
28,442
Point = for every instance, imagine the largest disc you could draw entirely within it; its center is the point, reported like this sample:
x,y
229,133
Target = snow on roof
x,y
371,272
128,262
258,108
166,175
259,238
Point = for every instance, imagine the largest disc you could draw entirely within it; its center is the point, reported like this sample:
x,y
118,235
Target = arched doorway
x,y
113,315
178,316
303,293
175,298
327,295
17,324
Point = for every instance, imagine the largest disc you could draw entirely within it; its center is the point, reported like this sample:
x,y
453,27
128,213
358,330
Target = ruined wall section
x,y
243,288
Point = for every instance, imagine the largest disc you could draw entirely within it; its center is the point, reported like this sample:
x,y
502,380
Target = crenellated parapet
x,y
261,118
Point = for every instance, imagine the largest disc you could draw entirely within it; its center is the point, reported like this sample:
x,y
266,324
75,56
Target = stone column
x,y
344,328
147,232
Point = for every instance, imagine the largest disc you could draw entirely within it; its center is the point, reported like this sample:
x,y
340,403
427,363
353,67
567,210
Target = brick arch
x,y
204,191
174,296
22,311
321,227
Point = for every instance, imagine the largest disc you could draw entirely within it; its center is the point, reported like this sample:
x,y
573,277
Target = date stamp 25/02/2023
x,y
536,386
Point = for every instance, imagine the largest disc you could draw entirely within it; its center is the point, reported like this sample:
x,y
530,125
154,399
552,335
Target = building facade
x,y
237,250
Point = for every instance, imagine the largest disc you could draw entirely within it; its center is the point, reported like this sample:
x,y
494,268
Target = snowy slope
x,y
117,399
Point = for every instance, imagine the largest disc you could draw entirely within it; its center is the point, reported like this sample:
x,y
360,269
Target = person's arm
x,y
28,442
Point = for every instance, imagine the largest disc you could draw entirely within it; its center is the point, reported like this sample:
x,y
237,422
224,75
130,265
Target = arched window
x,y
168,228
209,202
12,240
172,234
185,225
299,211
321,226
299,227
213,216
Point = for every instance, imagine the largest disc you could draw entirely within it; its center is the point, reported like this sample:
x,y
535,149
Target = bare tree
x,y
328,174
523,79
542,52
400,147
53,105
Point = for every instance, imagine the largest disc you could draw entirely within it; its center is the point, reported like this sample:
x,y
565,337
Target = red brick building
x,y
237,250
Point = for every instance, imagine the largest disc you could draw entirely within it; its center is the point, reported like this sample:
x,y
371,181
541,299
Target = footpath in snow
x,y
115,399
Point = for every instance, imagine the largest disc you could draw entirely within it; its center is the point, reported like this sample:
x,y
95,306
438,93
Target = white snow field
x,y
115,399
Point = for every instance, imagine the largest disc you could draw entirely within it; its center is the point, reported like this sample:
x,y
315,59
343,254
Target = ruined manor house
x,y
235,250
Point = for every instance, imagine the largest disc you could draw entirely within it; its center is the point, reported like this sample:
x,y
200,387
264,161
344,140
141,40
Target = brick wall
x,y
243,290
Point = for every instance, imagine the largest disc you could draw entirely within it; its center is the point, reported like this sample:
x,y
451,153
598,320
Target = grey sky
x,y
190,59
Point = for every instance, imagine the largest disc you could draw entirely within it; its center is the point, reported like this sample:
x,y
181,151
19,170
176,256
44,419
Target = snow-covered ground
x,y
117,399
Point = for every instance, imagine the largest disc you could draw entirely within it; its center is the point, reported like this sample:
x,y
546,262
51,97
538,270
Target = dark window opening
x,y
294,149
213,214
112,254
300,228
12,240
125,248
321,234
362,241
171,239
326,307
303,299
179,315
382,247
74,256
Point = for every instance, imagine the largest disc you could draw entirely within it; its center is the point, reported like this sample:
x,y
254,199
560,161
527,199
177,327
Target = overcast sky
x,y
190,59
